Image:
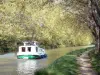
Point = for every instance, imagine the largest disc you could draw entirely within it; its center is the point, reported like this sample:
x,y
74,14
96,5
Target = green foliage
x,y
65,65
42,20
7,44
41,72
95,61
62,66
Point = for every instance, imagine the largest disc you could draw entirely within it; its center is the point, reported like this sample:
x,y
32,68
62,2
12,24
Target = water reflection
x,y
27,67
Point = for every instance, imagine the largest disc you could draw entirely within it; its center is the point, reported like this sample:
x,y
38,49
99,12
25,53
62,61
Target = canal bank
x,y
65,65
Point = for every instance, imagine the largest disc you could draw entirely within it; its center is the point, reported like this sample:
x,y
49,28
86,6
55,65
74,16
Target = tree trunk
x,y
94,22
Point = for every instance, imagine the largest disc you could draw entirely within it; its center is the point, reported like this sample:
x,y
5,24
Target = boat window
x,y
23,49
42,50
36,49
29,49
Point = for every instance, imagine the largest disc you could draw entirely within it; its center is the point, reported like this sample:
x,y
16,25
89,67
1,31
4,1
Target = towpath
x,y
85,66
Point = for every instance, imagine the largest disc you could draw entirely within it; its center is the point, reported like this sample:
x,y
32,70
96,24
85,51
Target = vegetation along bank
x,y
65,65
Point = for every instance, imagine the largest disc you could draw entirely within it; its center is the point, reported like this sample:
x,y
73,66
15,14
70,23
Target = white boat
x,y
31,51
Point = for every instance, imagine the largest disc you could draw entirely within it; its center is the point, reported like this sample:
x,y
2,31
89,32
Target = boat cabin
x,y
30,49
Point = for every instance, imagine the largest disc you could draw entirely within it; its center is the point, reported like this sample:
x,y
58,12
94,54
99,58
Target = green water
x,y
56,53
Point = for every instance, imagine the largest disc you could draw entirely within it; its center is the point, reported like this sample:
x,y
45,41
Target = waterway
x,y
10,65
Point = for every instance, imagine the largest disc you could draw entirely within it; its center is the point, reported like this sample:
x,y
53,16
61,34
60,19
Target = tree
x,y
94,21
93,18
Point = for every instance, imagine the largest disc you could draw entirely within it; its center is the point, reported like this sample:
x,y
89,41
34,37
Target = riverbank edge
x,y
64,65
95,61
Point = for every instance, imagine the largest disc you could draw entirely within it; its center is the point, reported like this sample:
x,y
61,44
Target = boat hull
x,y
31,56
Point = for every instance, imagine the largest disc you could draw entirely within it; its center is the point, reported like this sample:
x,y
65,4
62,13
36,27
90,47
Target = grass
x,y
65,65
95,60
54,54
62,66
79,51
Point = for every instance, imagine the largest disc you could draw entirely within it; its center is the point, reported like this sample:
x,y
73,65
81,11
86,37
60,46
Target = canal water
x,y
10,65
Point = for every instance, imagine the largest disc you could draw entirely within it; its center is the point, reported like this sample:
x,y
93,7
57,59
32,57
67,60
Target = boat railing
x,y
30,43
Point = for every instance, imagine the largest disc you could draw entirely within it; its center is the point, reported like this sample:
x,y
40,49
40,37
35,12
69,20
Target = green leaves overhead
x,y
44,21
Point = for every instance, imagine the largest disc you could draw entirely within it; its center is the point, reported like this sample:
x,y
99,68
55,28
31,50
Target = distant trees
x,y
52,24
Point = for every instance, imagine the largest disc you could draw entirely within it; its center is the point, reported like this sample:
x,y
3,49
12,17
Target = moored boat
x,y
31,51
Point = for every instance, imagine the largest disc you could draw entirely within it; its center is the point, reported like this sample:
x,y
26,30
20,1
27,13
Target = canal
x,y
10,65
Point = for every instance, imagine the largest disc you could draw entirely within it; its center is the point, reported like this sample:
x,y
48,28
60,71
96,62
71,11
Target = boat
x,y
31,51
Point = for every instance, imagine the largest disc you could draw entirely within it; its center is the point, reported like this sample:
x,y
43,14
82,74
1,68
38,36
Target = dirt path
x,y
85,65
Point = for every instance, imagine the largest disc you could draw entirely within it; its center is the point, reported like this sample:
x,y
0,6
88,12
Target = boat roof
x,y
28,43
28,46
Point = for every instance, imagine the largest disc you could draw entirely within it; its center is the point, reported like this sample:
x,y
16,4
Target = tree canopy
x,y
51,22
